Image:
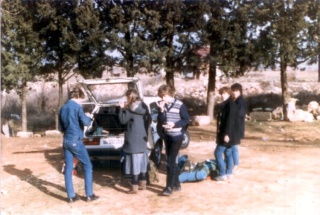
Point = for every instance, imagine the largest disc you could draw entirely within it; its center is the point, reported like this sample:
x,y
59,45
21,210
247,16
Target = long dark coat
x,y
136,120
228,123
242,111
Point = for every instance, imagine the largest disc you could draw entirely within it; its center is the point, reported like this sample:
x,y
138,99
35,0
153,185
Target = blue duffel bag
x,y
200,172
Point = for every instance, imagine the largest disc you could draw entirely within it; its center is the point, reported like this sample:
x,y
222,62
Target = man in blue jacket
x,y
72,120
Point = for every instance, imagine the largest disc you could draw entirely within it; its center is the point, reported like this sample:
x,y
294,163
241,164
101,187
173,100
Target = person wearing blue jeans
x,y
72,120
225,166
236,89
227,134
235,155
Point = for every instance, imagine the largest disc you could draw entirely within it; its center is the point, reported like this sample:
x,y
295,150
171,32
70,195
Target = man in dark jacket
x,y
242,111
227,134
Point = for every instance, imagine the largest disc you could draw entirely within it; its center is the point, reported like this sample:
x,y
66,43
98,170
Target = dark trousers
x,y
173,144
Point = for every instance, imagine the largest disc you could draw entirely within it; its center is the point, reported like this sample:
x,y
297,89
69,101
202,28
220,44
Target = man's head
x,y
225,93
166,93
236,90
74,94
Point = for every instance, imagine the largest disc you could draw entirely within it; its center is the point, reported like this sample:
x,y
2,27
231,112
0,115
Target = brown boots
x,y
134,188
142,185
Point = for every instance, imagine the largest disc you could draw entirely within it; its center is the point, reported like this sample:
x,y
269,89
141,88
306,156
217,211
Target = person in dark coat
x,y
227,134
136,118
242,111
174,118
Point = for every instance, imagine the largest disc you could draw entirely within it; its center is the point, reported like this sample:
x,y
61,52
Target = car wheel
x,y
186,140
156,154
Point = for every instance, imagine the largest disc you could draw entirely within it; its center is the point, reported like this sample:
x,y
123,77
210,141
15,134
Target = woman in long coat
x,y
136,118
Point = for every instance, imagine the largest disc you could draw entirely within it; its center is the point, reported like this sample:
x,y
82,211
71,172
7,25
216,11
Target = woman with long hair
x,y
136,118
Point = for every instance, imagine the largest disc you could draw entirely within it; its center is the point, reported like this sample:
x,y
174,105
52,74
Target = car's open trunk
x,y
106,122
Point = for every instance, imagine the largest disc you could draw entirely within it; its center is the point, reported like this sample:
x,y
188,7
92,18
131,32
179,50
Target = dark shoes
x,y
177,188
89,198
73,199
167,191
92,198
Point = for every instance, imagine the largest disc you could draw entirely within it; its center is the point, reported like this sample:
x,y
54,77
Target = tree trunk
x,y
169,72
318,40
211,89
24,119
284,87
60,99
129,67
319,64
170,78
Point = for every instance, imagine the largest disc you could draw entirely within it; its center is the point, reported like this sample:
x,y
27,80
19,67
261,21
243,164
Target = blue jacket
x,y
72,120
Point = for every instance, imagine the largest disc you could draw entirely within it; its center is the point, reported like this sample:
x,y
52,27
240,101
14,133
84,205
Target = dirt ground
x,y
278,174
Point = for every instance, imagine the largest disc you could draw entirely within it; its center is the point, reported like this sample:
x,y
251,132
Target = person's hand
x,y
169,125
121,104
89,115
161,104
226,139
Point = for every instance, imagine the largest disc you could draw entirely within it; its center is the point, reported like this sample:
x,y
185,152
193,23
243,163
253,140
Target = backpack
x,y
152,174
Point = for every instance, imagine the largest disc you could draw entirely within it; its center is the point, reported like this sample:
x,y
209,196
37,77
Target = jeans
x,y
225,166
78,150
235,155
173,144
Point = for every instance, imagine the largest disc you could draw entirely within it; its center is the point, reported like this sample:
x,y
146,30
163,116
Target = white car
x,y
104,138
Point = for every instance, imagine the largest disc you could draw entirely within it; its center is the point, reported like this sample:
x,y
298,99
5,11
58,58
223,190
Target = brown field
x,y
278,174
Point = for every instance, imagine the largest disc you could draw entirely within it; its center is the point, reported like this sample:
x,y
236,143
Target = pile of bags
x,y
190,172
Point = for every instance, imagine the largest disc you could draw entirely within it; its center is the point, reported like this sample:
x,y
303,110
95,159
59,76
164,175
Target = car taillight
x,y
91,141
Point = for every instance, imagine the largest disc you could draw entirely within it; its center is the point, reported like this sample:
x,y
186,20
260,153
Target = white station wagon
x,y
104,138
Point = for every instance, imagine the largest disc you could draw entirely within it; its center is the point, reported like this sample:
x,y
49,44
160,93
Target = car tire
x,y
186,140
156,154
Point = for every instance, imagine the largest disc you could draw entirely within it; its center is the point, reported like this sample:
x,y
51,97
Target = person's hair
x,y
223,90
166,90
132,96
236,87
74,94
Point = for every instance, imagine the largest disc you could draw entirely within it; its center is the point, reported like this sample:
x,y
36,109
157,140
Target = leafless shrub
x,y
41,122
291,77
